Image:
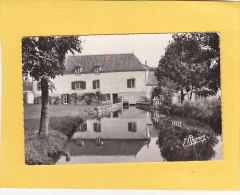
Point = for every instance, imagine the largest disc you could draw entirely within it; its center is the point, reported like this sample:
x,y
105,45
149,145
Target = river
x,y
133,135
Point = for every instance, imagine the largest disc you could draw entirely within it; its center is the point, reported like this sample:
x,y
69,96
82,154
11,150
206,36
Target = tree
x,y
43,59
191,61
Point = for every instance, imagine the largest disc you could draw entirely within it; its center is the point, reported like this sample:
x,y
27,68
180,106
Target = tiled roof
x,y
152,80
121,147
108,63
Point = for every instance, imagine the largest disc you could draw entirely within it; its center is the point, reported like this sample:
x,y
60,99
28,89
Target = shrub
x,y
66,125
144,99
74,98
80,99
208,111
51,100
88,100
41,149
37,100
57,100
99,97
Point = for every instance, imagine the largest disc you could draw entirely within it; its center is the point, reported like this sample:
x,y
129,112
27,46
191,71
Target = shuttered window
x,y
108,97
97,127
73,85
84,127
132,127
130,83
96,84
82,84
79,85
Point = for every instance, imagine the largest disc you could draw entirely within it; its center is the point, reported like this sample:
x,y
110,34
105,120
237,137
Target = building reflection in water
x,y
134,135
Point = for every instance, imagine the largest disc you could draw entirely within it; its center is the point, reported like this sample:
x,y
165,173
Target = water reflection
x,y
134,135
172,142
184,139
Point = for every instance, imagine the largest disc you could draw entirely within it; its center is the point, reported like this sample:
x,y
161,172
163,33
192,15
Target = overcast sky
x,y
146,47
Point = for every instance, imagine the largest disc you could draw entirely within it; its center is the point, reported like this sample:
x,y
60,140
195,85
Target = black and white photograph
x,y
122,98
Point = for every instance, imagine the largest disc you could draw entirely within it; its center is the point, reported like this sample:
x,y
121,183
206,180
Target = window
x,y
132,127
79,85
108,97
115,114
130,83
108,115
78,70
39,86
96,84
97,69
97,127
83,127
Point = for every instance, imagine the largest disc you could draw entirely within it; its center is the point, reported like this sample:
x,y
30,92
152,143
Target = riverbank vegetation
x,y
191,65
176,143
41,149
207,111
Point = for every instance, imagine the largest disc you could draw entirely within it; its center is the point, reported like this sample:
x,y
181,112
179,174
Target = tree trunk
x,y
44,121
182,96
191,93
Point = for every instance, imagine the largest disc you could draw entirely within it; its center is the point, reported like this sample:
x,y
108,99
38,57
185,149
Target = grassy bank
x,y
33,111
208,111
43,150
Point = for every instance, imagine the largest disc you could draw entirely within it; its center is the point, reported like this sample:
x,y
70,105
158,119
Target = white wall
x,y
112,82
113,128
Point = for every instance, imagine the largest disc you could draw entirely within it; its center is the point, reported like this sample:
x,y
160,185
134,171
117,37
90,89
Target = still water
x,y
134,135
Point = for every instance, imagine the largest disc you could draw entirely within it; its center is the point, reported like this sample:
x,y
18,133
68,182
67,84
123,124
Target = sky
x,y
146,47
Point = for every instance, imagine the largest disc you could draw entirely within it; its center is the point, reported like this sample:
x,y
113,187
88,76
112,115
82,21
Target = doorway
x,y
65,98
115,98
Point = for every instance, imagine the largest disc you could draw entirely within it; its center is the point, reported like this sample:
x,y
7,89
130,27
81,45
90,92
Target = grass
x,y
42,149
207,111
33,111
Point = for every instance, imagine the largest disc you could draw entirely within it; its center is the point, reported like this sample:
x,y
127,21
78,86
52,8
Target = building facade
x,y
116,76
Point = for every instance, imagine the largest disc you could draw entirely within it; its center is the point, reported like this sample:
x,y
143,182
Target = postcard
x,y
120,95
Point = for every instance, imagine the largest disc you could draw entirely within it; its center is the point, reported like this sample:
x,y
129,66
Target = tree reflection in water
x,y
171,138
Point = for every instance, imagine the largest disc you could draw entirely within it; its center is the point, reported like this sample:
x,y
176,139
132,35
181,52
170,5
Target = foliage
x,y
100,97
88,98
208,111
66,125
74,98
52,100
191,61
45,56
41,149
170,143
168,91
57,100
143,99
43,59
120,99
37,100
27,85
